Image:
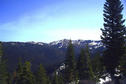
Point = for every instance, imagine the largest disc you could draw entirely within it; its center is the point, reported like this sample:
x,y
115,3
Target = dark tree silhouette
x,y
113,35
3,68
41,76
70,64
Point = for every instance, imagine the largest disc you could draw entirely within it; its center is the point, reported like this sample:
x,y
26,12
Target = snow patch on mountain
x,y
64,43
54,42
93,43
38,43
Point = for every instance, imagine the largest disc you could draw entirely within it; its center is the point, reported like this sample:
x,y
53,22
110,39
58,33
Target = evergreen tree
x,y
3,68
82,66
61,81
26,77
20,67
89,65
9,80
27,74
123,65
3,73
113,35
1,52
97,65
18,73
41,77
70,64
55,79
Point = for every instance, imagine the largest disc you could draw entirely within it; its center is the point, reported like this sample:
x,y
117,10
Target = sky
x,y
50,20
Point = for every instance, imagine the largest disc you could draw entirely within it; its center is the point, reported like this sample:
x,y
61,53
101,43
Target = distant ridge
x,y
49,54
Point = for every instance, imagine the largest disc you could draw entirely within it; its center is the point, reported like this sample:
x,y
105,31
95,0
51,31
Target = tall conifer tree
x,y
41,77
3,68
113,35
27,76
82,66
97,66
55,79
70,64
61,80
89,65
18,73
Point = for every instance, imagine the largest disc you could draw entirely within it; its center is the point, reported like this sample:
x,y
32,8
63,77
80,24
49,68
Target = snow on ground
x,y
93,43
102,81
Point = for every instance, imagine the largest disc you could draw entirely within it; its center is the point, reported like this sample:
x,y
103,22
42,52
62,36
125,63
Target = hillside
x,y
49,54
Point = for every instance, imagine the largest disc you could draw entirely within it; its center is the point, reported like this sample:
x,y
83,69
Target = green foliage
x,y
19,72
70,64
90,70
113,35
60,78
3,73
41,77
9,79
55,79
25,76
82,66
1,52
3,68
97,66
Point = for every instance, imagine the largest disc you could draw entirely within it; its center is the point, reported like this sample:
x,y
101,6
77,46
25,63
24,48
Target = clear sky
x,y
49,20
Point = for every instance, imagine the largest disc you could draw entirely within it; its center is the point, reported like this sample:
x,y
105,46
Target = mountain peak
x,y
65,42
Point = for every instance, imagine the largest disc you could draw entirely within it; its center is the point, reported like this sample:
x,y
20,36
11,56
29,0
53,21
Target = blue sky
x,y
49,20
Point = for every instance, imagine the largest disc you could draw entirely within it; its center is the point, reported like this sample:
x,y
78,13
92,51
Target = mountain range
x,y
50,54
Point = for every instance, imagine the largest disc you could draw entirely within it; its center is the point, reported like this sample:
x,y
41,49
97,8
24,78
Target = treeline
x,y
75,70
84,68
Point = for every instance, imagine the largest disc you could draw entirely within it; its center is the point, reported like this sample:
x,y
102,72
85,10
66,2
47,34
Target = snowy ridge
x,y
64,43
38,43
93,44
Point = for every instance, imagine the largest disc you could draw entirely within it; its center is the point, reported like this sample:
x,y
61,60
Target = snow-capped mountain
x,y
81,43
93,44
37,43
48,54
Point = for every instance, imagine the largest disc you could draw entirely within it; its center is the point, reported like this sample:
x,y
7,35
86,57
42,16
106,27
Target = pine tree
x,y
18,73
1,52
97,65
82,66
123,65
89,65
41,76
70,64
27,76
3,73
113,35
60,77
9,79
3,68
55,79
20,67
